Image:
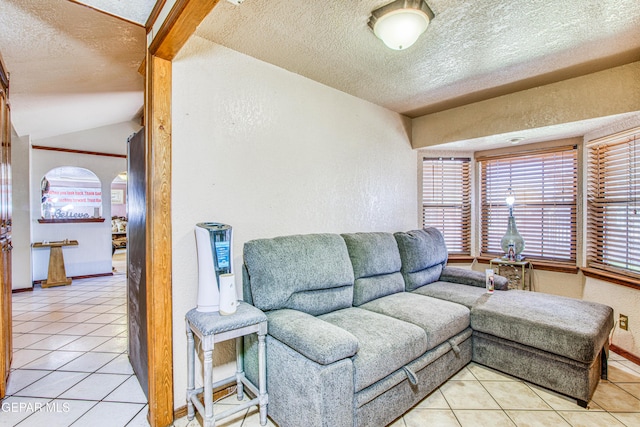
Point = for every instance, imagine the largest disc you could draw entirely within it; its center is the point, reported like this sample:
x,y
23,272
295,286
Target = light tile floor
x,y
70,367
478,396
70,363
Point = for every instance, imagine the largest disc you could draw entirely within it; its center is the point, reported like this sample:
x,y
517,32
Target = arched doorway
x,y
119,223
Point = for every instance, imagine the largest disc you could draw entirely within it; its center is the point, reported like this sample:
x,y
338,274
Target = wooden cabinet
x,y
5,230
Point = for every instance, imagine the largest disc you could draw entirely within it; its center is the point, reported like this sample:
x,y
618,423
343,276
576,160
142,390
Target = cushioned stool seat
x,y
568,335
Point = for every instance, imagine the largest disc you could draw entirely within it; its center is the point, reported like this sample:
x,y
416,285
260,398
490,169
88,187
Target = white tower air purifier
x,y
213,242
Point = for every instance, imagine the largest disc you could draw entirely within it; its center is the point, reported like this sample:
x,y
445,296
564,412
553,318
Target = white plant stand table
x,y
212,328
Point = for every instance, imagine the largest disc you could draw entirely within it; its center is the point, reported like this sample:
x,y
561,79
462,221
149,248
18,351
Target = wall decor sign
x,y
117,196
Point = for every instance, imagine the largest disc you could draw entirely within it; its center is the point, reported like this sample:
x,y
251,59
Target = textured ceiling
x,y
132,10
471,49
72,68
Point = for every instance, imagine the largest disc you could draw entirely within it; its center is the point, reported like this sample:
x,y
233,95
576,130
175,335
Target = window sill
x,y
608,276
558,267
460,259
69,221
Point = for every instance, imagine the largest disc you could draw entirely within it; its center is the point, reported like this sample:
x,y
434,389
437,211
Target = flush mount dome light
x,y
399,24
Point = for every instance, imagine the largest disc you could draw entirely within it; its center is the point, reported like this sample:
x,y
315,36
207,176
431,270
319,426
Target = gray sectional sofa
x,y
363,326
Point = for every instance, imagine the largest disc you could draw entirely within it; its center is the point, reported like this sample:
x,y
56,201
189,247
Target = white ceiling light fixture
x,y
400,23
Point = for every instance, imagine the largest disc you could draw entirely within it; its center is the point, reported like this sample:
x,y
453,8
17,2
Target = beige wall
x,y
600,94
272,153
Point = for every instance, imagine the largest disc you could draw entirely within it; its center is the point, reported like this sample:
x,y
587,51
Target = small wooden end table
x,y
57,275
212,328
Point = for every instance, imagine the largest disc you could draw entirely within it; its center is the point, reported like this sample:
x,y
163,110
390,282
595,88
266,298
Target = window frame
x,y
464,244
527,205
613,147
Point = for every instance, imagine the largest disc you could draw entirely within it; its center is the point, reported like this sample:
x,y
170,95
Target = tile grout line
x,y
111,322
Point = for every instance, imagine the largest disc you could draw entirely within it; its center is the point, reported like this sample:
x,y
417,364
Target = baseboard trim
x,y
217,395
624,353
88,276
17,291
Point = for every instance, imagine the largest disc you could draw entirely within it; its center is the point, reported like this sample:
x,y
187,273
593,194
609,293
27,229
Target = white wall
x,y
105,139
272,153
21,224
624,300
93,253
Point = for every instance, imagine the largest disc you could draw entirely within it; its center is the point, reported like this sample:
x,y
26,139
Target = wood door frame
x,y
5,228
180,23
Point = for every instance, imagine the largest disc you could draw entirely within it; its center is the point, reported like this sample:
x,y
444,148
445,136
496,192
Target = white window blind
x,y
545,187
613,204
446,200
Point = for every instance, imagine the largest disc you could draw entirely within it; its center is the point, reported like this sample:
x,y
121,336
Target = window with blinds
x,y
446,200
613,204
545,187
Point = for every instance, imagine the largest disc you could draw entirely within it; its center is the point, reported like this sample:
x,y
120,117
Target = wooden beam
x,y
155,12
158,244
180,24
4,75
69,150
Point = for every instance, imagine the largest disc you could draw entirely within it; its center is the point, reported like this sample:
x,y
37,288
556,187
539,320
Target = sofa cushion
x,y
376,265
440,319
314,338
310,273
564,326
423,254
454,292
385,344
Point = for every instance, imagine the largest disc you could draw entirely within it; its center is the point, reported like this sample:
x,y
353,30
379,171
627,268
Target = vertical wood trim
x,y
158,245
6,340
178,27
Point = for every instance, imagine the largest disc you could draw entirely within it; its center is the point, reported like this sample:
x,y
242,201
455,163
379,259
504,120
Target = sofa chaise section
x,y
557,342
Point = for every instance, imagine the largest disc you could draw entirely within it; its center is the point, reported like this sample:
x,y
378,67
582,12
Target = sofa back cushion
x,y
423,254
311,273
376,265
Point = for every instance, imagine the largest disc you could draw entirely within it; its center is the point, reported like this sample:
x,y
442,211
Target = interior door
x,y
6,347
136,258
6,335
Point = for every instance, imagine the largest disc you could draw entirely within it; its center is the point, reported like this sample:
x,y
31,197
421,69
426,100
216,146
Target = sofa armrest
x,y
314,338
472,278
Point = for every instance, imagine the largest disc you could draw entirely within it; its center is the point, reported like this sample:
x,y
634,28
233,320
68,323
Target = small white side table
x,y
212,328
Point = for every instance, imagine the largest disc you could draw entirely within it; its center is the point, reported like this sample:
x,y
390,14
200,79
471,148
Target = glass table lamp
x,y
512,242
